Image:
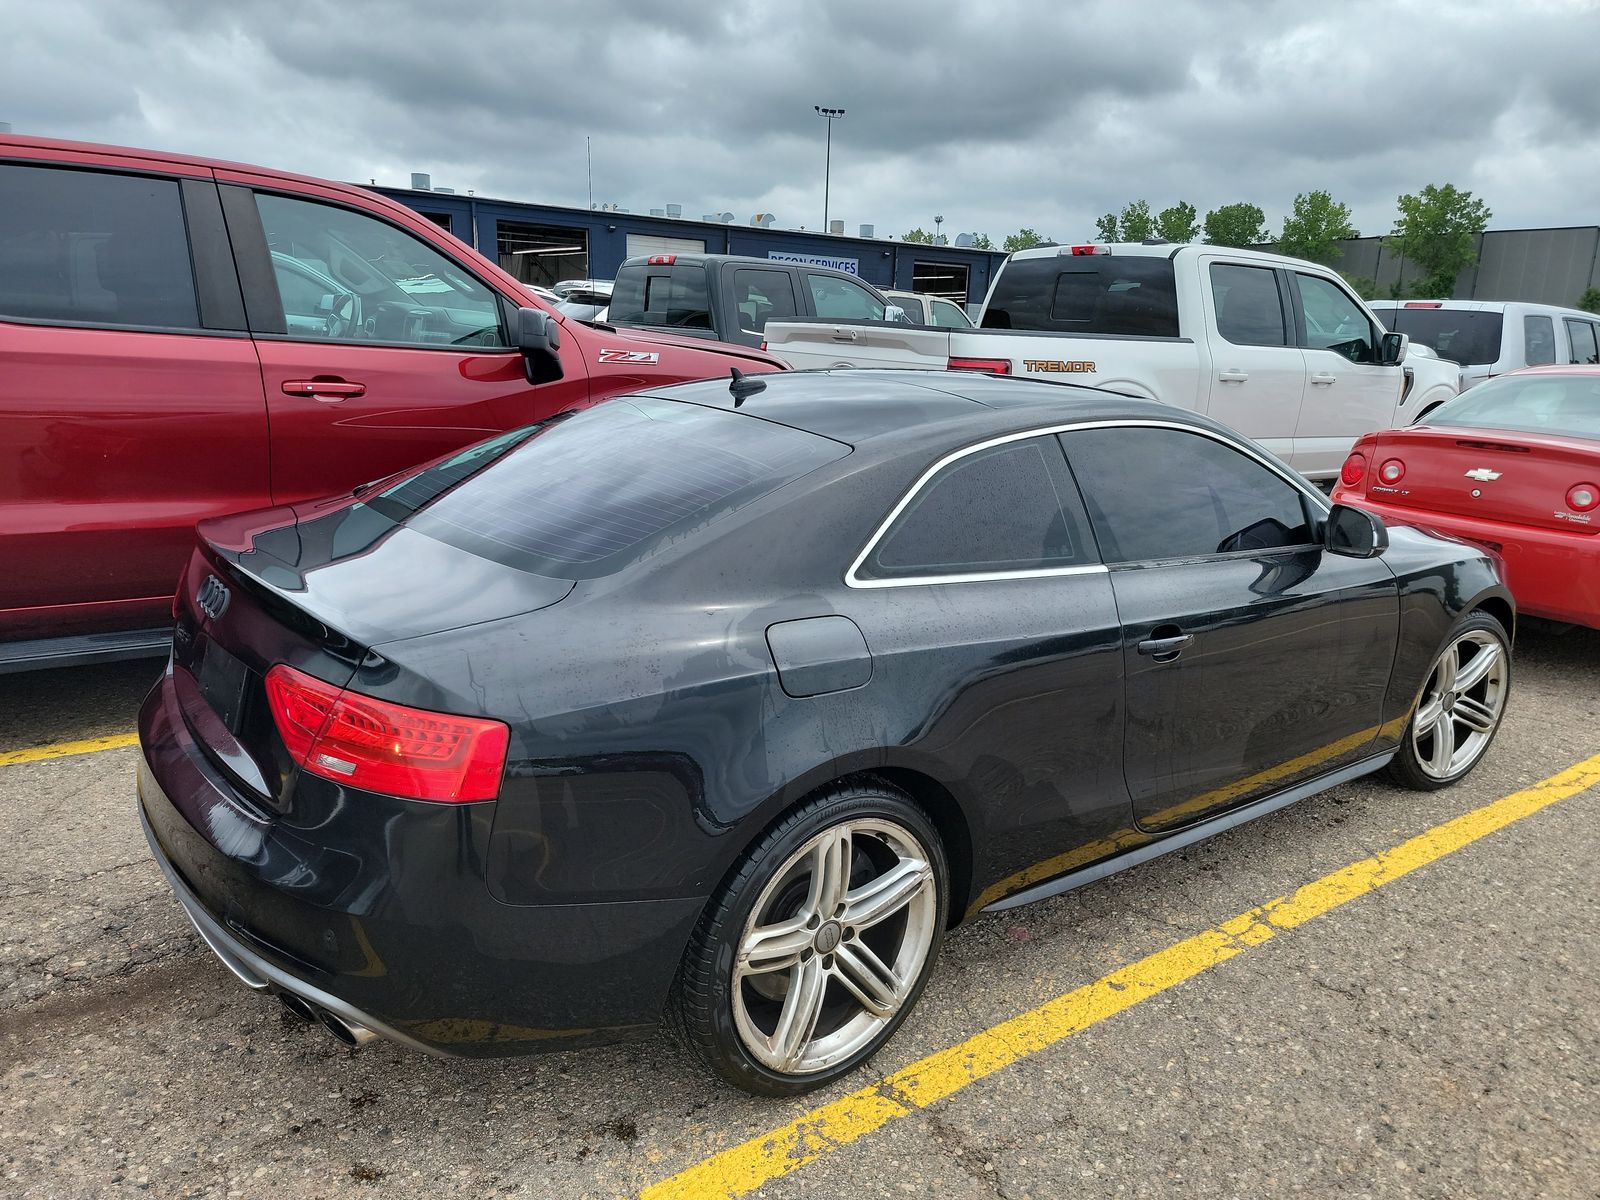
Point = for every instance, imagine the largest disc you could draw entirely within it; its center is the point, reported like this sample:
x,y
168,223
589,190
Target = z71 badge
x,y
629,356
1057,366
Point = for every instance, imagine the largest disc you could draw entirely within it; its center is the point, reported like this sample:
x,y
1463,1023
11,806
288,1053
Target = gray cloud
x,y
1010,113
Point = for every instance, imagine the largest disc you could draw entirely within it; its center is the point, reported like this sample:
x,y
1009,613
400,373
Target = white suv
x,y
1491,337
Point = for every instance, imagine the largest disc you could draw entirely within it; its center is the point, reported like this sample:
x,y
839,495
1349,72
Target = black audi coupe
x,y
728,700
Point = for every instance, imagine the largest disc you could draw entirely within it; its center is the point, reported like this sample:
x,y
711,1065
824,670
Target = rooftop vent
x,y
868,231
762,220
836,227
674,210
421,181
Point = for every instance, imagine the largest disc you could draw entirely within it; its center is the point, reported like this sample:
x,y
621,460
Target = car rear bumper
x,y
1551,574
405,940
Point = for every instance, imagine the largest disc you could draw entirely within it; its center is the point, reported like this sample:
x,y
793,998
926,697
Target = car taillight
x,y
1392,471
763,345
1583,497
661,260
383,747
1080,251
1355,467
1424,304
994,366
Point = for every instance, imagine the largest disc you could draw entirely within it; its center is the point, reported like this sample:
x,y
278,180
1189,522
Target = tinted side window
x,y
1334,321
1164,493
762,296
1008,508
1538,340
1092,293
381,283
86,246
834,296
948,316
1581,335
1249,309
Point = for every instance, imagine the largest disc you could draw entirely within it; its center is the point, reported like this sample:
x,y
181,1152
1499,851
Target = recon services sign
x,y
817,260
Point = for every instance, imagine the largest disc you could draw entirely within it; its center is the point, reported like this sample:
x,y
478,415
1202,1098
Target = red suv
x,y
181,338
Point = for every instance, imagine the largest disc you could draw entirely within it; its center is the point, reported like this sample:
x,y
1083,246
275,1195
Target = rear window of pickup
x,y
1133,295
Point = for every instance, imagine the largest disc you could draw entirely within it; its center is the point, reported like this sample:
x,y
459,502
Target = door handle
x,y
844,335
1324,379
1165,649
329,391
1233,376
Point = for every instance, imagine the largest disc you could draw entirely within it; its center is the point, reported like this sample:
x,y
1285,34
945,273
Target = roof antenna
x,y
742,388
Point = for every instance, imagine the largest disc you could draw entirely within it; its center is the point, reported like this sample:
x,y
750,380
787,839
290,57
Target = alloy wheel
x,y
1461,705
834,945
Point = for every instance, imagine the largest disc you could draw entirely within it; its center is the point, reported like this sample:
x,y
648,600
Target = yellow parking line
x,y
115,741
742,1169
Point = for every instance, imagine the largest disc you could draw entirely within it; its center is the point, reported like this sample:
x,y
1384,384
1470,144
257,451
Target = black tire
x,y
1410,768
704,1002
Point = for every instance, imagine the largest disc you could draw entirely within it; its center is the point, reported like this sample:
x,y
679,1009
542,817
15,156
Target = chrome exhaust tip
x,y
348,1033
300,1008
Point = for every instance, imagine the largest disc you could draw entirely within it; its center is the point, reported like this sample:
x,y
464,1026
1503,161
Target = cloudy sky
x,y
997,114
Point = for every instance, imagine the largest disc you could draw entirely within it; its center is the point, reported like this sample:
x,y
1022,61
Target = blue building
x,y
544,243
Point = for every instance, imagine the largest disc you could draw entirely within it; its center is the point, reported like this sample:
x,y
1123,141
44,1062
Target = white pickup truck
x,y
1277,348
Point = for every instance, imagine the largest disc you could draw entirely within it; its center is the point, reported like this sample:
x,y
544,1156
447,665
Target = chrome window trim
x,y
852,576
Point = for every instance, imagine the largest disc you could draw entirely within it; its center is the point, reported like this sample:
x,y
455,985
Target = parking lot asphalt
x,y
1435,1034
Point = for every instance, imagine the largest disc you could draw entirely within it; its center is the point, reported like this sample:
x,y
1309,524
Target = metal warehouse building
x,y
543,243
1545,266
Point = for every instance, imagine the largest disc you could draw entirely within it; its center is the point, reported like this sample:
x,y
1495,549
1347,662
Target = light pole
x,y
938,224
832,115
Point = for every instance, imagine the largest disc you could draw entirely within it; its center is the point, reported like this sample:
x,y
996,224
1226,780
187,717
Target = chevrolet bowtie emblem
x,y
1482,474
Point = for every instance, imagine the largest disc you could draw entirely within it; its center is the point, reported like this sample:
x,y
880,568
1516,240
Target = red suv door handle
x,y
328,390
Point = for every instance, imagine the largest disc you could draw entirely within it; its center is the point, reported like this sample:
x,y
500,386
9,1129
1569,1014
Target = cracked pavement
x,y
1439,1037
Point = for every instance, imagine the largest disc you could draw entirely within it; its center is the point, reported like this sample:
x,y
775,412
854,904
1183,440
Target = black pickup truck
x,y
729,298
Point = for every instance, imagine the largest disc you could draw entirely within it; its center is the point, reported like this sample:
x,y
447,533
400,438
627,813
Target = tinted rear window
x,y
1558,404
93,247
673,297
1469,338
1094,293
588,493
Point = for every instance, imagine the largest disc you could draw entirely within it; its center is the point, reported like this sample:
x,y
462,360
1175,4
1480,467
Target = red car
x,y
181,338
1514,465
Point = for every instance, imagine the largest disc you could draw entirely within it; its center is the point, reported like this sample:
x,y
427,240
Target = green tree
x,y
919,236
1105,228
1438,230
1362,285
980,241
1590,300
1177,224
1022,239
1315,227
1237,225
1136,223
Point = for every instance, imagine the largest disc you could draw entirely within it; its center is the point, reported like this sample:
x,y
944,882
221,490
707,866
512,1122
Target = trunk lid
x,y
1489,474
317,593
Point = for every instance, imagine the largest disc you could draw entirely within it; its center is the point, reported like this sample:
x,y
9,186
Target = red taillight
x,y
1583,497
1089,249
383,747
661,260
763,345
1355,467
994,366
1392,471
1424,304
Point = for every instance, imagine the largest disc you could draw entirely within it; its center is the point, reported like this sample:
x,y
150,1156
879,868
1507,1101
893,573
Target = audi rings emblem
x,y
213,597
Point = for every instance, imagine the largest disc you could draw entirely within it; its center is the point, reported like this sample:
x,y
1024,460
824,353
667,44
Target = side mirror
x,y
538,336
1354,533
1393,350
895,313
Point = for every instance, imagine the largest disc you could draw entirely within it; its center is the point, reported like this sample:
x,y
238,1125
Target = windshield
x,y
1469,338
1558,404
